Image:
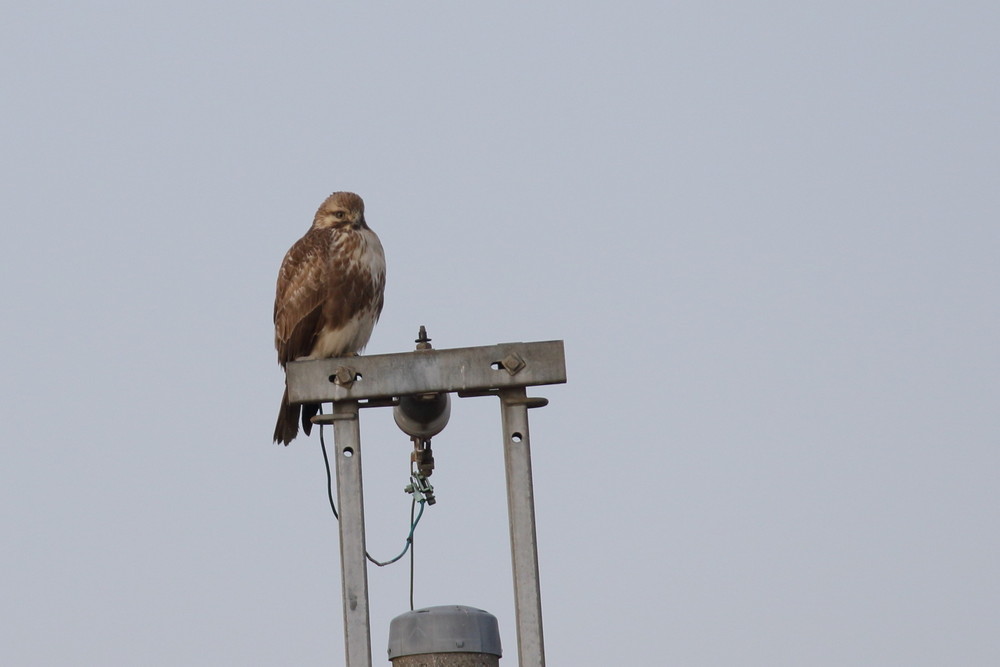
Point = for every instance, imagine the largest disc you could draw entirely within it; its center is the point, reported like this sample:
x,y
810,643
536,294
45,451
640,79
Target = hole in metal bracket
x,y
516,437
348,452
344,377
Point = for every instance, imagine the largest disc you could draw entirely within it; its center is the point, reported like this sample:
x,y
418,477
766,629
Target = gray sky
x,y
767,232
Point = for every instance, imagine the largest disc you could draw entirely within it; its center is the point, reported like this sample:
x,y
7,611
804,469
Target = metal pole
x,y
353,568
523,542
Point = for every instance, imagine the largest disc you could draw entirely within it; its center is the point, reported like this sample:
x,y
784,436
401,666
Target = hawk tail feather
x,y
309,410
288,421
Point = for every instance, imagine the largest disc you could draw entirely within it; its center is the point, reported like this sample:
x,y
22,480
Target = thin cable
x,y
412,550
409,538
329,479
333,506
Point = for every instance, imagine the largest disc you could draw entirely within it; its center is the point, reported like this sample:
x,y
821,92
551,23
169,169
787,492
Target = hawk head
x,y
341,210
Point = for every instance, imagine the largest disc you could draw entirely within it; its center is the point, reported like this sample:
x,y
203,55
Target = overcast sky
x,y
767,232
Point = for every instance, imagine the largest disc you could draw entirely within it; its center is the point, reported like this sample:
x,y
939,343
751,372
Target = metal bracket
x,y
388,376
503,370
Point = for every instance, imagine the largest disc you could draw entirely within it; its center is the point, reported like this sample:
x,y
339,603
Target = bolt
x,y
422,341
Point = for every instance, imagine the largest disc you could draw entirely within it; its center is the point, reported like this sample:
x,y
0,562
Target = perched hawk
x,y
329,296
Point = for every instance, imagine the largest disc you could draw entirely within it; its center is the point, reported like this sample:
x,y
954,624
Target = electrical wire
x,y
413,521
409,538
412,550
329,479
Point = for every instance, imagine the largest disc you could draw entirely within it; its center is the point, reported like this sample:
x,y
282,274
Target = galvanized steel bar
x,y
353,567
521,513
426,372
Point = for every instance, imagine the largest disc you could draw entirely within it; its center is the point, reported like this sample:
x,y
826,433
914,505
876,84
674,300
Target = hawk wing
x,y
303,287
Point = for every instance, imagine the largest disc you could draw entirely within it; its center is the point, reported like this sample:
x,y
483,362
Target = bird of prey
x,y
329,296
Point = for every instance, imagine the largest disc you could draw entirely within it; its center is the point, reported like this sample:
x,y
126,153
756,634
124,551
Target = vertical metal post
x,y
521,512
353,568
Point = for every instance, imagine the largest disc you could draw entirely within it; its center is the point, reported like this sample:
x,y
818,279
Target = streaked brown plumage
x,y
329,296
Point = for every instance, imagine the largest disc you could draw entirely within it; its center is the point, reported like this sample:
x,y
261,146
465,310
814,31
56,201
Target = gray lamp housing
x,y
444,629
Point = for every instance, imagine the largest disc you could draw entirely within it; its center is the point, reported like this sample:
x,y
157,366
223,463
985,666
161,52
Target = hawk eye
x,y
339,215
